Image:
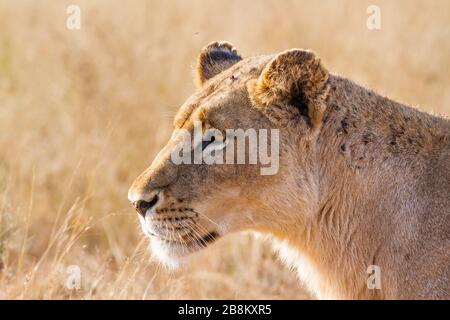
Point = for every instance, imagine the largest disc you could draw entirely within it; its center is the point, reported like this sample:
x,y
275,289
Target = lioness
x,y
363,181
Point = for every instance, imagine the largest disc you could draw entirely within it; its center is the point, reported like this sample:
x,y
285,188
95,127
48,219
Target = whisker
x,y
205,216
200,241
203,229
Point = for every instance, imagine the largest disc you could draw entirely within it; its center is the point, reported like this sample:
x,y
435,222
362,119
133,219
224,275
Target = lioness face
x,y
186,206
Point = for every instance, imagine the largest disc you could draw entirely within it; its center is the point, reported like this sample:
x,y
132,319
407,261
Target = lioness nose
x,y
143,206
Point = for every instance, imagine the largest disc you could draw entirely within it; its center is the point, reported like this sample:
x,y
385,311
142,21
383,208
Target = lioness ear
x,y
215,58
293,86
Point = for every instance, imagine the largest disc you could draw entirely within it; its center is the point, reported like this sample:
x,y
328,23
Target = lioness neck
x,y
370,154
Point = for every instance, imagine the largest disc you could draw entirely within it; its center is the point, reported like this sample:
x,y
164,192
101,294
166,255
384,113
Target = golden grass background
x,y
82,113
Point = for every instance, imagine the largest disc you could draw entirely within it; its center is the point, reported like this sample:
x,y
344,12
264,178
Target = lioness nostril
x,y
142,206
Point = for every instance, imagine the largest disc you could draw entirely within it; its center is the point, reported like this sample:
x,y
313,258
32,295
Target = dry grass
x,y
83,112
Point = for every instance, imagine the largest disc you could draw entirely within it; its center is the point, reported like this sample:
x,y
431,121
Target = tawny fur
x,y
363,180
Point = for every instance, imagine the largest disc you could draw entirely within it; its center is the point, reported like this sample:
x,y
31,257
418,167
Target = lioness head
x,y
186,206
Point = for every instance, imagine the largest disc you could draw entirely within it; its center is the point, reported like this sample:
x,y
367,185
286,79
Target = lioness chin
x,y
362,180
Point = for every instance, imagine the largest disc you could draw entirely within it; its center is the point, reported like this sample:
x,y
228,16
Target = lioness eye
x,y
206,143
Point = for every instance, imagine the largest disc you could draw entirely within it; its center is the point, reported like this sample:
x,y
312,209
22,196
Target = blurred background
x,y
83,112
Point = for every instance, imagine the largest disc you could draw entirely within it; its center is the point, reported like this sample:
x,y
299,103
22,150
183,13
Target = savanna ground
x,y
83,112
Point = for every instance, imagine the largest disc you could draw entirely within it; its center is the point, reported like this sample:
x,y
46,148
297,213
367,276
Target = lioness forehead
x,y
232,78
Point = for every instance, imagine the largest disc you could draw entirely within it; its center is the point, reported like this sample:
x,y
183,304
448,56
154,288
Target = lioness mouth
x,y
210,237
